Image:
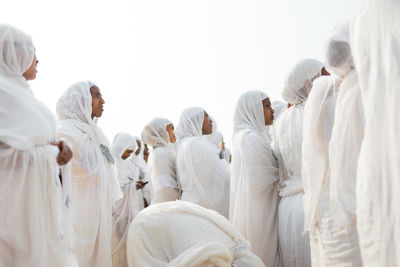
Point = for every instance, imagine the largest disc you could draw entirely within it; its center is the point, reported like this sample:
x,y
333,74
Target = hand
x,y
140,184
65,154
145,202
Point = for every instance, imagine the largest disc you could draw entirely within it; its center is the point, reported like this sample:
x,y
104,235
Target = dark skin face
x,y
268,112
30,74
127,154
97,102
207,124
170,130
139,147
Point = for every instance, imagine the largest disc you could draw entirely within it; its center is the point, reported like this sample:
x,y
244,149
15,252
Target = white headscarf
x,y
75,107
17,100
339,59
299,81
155,133
190,123
121,143
249,112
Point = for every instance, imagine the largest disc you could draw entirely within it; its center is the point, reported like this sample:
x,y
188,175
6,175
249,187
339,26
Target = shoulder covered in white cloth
x,y
208,239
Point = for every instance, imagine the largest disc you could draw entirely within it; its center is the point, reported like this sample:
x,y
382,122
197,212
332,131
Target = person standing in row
x,y
94,181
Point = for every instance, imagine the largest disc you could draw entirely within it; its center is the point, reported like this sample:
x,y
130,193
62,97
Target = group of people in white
x,y
310,182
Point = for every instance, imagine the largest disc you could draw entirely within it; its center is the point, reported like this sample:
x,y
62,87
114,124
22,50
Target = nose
x,y
102,101
273,111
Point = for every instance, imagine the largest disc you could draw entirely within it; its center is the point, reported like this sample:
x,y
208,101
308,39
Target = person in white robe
x,y
375,44
127,207
203,176
159,134
183,234
94,182
329,187
254,181
287,145
139,171
34,202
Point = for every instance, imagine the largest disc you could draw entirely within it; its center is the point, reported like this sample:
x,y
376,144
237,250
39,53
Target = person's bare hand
x,y
140,184
65,154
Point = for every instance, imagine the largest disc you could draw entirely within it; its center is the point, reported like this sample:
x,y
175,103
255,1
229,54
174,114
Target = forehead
x,y
266,101
94,90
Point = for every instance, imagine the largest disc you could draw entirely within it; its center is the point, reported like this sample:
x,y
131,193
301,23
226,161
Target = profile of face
x,y
97,102
145,153
268,112
207,125
126,154
223,145
30,74
139,144
170,130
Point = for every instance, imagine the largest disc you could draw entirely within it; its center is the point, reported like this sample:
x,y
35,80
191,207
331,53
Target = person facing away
x,y
33,207
196,236
94,180
159,134
204,177
131,203
332,244
255,178
287,146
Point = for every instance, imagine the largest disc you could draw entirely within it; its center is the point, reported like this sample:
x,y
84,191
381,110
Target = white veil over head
x,y
249,112
121,143
298,82
17,100
338,57
155,133
190,123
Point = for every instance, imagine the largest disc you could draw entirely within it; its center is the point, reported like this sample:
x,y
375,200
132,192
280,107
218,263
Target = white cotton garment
x,y
203,176
375,43
333,242
33,213
195,237
139,171
94,181
162,161
254,179
319,114
130,204
287,146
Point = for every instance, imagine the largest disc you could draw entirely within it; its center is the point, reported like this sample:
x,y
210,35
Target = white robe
x,y
195,237
287,144
33,222
344,148
375,47
94,183
204,177
162,171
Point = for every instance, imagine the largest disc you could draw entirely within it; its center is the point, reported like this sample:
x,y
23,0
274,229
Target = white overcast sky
x,y
153,58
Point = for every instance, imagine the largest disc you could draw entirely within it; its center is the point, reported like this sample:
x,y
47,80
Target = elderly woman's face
x,y
139,147
170,130
127,154
30,74
97,102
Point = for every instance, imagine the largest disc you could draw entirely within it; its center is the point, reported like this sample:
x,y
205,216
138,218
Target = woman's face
x,y
127,154
207,124
170,130
268,112
30,74
145,153
97,102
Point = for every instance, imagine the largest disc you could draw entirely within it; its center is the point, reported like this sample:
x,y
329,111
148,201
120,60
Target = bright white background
x,y
154,58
